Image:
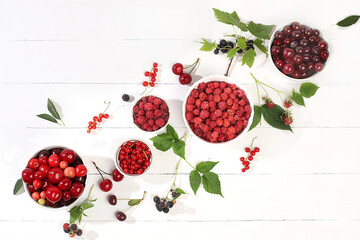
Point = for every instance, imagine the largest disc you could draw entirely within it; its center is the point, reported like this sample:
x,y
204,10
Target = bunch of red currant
x,y
251,153
151,75
106,184
72,230
96,119
184,78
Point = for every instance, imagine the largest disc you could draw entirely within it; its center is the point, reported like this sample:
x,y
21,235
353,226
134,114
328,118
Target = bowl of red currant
x,y
55,177
298,51
134,157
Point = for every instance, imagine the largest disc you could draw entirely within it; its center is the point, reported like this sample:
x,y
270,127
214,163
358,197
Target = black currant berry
x,y
230,44
158,207
73,227
222,43
79,232
224,50
161,205
156,199
240,51
216,51
174,194
250,41
166,210
67,230
170,204
125,97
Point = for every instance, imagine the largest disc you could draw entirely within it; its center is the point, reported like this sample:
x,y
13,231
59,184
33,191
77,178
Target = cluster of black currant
x,y
164,204
224,46
72,230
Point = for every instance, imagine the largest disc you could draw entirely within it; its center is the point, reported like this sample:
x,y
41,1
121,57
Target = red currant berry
x,y
106,116
250,158
146,74
243,170
256,149
247,167
155,64
154,75
95,118
155,70
152,84
153,79
242,159
247,149
88,131
252,153
145,83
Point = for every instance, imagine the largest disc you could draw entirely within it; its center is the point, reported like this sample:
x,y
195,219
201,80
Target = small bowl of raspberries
x,y
55,177
150,113
298,51
217,110
134,157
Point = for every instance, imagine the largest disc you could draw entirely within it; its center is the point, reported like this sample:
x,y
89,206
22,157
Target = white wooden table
x,y
80,53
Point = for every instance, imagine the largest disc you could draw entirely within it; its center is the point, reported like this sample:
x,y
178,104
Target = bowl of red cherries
x,y
134,157
298,51
55,177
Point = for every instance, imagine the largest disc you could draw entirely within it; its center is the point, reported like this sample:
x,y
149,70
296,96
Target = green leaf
x,y
171,131
134,202
257,117
18,186
207,46
249,57
75,214
94,200
211,183
85,214
298,98
273,117
162,142
205,166
241,42
259,30
308,89
195,180
348,21
179,148
52,109
47,117
232,52
180,192
231,19
87,205
259,44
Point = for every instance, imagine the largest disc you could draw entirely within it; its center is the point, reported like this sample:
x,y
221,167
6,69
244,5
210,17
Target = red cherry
x,y
185,78
279,63
32,189
296,74
275,50
322,44
288,52
66,196
45,153
288,68
318,66
53,194
63,164
69,172
324,54
117,176
55,175
37,183
76,190
34,164
287,30
80,170
39,175
54,160
46,184
43,194
44,168
35,195
55,151
106,185
28,175
65,184
68,155
177,68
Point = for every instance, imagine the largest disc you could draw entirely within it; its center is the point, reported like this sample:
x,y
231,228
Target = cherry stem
x,y
194,64
136,204
98,171
227,71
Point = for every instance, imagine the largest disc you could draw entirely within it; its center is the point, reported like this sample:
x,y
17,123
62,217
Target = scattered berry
x,y
125,97
184,78
93,124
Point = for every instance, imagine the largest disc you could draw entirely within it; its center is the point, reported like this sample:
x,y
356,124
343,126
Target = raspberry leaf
x,y
273,117
52,109
179,191
231,19
211,183
348,21
308,89
47,117
259,44
162,142
241,42
249,57
232,52
18,186
171,131
205,166
259,30
195,180
298,98
257,117
207,46
179,148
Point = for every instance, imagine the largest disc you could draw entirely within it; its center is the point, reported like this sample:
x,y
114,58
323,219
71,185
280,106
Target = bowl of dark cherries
x,y
55,177
298,51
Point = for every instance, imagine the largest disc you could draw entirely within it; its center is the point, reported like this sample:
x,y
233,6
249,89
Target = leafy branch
x,y
77,212
54,117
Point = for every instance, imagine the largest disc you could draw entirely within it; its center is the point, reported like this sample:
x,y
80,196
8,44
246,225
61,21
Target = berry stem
x,y
252,142
136,204
261,85
176,173
227,71
195,64
98,171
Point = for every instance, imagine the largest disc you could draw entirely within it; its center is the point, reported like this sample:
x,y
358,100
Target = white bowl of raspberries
x,y
298,51
217,110
55,177
150,113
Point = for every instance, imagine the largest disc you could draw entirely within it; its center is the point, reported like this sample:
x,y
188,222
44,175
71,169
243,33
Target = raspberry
x,y
226,123
216,84
150,114
157,113
141,112
229,102
212,104
247,108
196,112
163,106
205,105
232,96
222,105
240,92
231,130
159,122
151,122
153,128
141,119
205,128
189,116
189,108
221,138
218,112
223,85
224,96
190,100
215,135
230,112
197,120
242,103
234,106
204,114
217,91
217,98
203,96
198,102
194,93
224,115
149,106
202,86
227,90
208,90
213,124
213,116
219,122
157,101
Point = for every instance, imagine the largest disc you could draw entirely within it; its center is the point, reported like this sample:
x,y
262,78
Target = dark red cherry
x,y
322,44
288,69
76,190
318,66
288,53
28,175
296,34
299,50
295,25
287,41
279,35
302,67
65,184
324,54
295,74
275,50
297,58
279,63
304,42
55,175
287,29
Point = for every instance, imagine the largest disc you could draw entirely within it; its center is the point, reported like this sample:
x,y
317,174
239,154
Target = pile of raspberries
x,y
217,111
150,113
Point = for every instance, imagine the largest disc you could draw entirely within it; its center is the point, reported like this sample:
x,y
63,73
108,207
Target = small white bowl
x,y
44,206
280,28
132,114
218,78
116,159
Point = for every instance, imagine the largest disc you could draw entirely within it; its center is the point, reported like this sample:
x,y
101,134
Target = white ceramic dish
x,y
280,28
44,206
116,159
219,78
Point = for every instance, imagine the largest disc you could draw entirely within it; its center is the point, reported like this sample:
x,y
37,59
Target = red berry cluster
x,y
55,178
251,153
106,184
150,113
134,157
72,230
96,119
217,111
299,51
151,75
184,78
